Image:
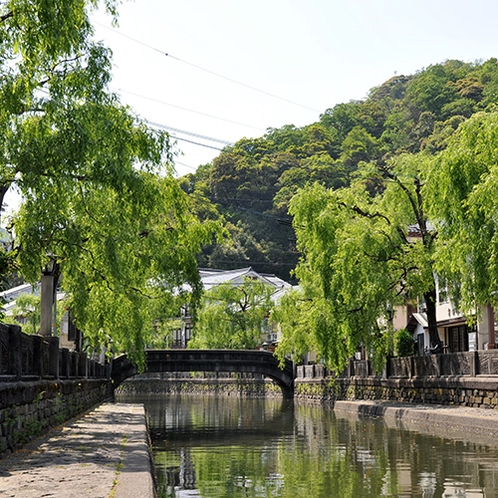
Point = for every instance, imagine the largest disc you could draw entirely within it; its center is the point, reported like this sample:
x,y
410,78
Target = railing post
x,y
473,361
388,367
38,355
439,363
15,352
82,365
53,356
65,370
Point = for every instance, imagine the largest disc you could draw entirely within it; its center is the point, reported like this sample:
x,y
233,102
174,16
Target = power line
x,y
190,110
195,143
240,83
208,70
211,139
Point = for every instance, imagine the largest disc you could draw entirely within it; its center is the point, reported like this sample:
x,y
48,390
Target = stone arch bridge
x,y
209,360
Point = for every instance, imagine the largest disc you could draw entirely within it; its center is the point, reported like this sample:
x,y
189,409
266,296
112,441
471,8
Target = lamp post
x,y
48,289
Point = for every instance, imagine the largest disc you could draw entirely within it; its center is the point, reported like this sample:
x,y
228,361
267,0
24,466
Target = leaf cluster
x,y
97,184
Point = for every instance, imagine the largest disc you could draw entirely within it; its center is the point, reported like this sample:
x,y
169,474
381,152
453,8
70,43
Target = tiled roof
x,y
211,278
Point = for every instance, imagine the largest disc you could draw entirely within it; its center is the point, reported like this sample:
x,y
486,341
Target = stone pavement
x,y
477,425
103,454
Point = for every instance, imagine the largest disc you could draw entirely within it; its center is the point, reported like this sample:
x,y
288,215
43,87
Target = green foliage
x,y
98,190
463,191
253,181
403,342
123,256
233,316
27,307
358,262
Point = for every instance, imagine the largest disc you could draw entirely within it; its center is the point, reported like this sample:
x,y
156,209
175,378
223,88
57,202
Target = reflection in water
x,y
235,447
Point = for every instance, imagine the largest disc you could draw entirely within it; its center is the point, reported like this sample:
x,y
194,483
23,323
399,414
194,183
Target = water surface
x,y
234,447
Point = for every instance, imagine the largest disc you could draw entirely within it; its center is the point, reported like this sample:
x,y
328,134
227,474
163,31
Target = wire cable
x,y
240,83
195,143
208,70
120,90
210,139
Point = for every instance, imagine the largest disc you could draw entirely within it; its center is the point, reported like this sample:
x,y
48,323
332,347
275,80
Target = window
x,y
458,339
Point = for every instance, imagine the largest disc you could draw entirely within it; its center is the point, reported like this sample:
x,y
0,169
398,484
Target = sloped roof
x,y
13,293
211,278
417,319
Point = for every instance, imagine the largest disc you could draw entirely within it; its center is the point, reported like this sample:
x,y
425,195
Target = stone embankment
x,y
42,385
103,454
205,384
460,379
451,422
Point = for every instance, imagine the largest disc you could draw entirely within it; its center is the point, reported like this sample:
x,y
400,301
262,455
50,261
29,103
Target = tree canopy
x,y
97,184
363,255
463,189
233,316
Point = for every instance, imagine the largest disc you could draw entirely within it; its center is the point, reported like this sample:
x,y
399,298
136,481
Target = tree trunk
x,y
430,302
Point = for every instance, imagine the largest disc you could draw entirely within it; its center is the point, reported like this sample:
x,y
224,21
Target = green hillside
x,y
250,183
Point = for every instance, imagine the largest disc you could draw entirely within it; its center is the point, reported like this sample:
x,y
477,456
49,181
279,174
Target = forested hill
x,y
251,182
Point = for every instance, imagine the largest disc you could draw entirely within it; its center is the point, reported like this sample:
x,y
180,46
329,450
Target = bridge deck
x,y
210,360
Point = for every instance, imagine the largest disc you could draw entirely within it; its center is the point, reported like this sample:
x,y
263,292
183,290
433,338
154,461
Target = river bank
x,y
102,454
105,453
477,425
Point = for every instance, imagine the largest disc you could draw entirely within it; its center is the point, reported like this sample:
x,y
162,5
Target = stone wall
x,y
29,409
468,391
207,383
460,379
42,385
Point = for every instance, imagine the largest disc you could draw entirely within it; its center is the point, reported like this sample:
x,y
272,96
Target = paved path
x,y
479,425
103,454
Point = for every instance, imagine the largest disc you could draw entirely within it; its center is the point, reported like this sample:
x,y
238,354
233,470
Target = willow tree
x,y
366,249
463,189
97,185
233,316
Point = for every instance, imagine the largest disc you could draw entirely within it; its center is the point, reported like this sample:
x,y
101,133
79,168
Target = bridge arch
x,y
209,360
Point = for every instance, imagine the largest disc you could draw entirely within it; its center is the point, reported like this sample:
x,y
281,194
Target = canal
x,y
217,447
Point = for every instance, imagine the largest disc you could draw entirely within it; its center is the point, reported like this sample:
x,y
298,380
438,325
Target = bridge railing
x,y
233,356
26,357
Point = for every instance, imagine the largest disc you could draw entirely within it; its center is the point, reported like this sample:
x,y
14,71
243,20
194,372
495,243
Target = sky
x,y
228,69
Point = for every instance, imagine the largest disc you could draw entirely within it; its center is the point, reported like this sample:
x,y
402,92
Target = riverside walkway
x,y
477,425
102,454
